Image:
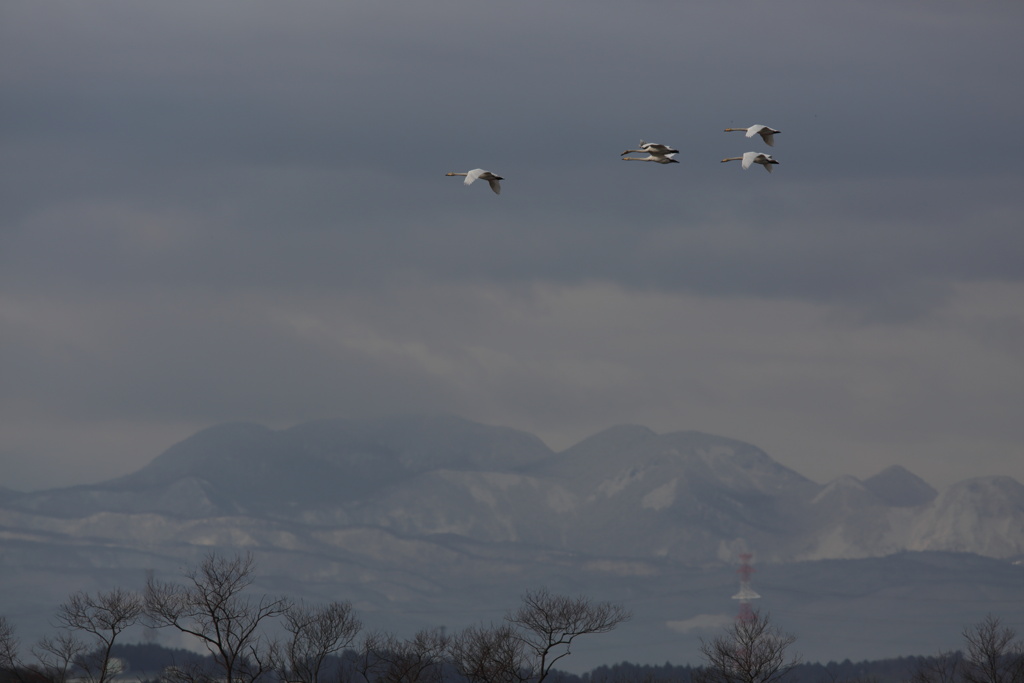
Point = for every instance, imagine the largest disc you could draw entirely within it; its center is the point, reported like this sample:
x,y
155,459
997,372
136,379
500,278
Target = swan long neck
x,y
732,159
447,174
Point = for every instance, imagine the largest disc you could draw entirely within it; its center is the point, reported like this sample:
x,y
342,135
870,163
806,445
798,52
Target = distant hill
x,y
897,487
424,519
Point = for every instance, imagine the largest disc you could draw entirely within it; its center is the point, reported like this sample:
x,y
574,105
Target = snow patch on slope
x,y
661,497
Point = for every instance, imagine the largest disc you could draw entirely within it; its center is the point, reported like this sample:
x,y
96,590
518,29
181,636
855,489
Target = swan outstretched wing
x,y
760,158
767,134
473,175
655,148
491,179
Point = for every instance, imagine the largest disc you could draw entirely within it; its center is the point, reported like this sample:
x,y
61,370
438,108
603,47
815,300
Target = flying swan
x,y
484,175
767,134
754,158
653,148
656,158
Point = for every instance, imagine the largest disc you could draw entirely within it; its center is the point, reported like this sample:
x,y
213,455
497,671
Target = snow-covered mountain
x,y
410,514
897,487
983,516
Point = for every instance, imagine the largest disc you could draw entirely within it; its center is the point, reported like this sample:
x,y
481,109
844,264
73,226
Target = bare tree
x,y
750,651
9,646
547,624
385,658
942,668
213,606
57,655
11,665
103,616
992,655
488,654
316,632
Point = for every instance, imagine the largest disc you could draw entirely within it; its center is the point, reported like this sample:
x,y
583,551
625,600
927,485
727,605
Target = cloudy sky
x,y
217,211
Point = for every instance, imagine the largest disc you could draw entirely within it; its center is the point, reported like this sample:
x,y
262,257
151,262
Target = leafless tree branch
x,y
214,608
750,651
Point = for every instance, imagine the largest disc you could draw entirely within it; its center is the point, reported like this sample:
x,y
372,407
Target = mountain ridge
x,y
415,516
698,497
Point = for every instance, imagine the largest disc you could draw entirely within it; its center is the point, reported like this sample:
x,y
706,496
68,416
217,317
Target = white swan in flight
x,y
653,148
767,134
656,158
754,158
491,179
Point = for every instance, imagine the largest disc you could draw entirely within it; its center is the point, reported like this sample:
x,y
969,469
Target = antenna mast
x,y
746,594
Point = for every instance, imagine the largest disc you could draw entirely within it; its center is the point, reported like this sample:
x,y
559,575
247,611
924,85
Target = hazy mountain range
x,y
429,521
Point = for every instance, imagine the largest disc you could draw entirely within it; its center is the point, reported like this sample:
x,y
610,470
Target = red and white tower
x,y
746,593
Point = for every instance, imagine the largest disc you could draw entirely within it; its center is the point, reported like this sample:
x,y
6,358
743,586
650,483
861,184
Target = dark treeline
x,y
897,670
149,660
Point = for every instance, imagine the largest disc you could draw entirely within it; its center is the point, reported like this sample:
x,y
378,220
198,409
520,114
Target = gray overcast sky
x,y
238,211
